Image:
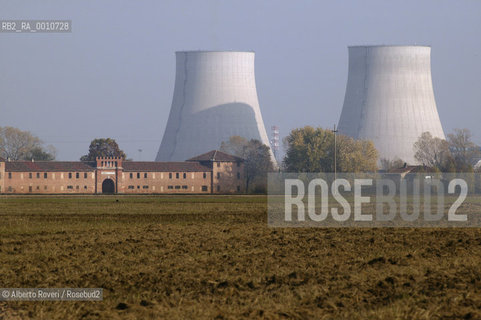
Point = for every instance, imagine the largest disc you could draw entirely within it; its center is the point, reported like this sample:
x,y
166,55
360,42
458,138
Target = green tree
x,y
257,160
103,147
40,154
312,150
309,150
16,144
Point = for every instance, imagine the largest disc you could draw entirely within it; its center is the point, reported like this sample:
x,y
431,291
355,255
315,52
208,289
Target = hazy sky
x,y
113,76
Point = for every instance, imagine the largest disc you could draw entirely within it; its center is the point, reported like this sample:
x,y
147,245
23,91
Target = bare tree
x,y
388,164
463,149
431,151
16,144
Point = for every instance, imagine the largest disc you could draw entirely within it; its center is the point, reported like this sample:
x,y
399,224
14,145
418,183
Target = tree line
x,y
455,154
307,149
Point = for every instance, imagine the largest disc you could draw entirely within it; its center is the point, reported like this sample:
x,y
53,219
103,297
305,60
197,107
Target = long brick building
x,y
211,172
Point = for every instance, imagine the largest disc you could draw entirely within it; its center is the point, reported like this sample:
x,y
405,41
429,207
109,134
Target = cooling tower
x,y
215,97
389,99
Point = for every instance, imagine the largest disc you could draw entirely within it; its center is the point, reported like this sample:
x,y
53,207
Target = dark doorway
x,y
108,186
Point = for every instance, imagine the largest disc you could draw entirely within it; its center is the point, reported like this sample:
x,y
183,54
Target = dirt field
x,y
215,257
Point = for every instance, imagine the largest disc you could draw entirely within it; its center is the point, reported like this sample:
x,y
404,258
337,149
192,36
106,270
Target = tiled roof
x,y
215,155
402,170
49,166
164,166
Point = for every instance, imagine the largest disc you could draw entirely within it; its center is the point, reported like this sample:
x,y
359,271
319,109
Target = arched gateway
x,y
108,186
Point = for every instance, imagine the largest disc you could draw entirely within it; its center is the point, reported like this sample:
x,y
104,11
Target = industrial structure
x,y
389,99
211,172
215,97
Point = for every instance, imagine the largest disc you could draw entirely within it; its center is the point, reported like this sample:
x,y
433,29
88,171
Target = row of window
x,y
85,175
45,175
204,188
30,188
238,175
177,187
177,175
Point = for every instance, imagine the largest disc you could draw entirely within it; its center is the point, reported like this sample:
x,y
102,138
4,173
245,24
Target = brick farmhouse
x,y
211,172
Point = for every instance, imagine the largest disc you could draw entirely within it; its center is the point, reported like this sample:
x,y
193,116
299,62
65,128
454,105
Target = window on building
x,y
138,175
9,189
131,187
30,175
185,175
38,187
218,188
218,164
77,187
70,175
45,188
85,175
185,187
238,175
205,175
85,187
177,187
170,175
69,187
145,175
38,175
218,175
238,188
9,175
45,175
204,188
30,189
131,175
77,175
145,187
177,175
138,187
170,187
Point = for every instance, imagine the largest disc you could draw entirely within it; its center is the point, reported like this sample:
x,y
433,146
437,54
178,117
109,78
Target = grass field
x,y
216,258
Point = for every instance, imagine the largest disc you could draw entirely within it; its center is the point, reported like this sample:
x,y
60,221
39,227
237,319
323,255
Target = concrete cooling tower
x,y
215,97
389,99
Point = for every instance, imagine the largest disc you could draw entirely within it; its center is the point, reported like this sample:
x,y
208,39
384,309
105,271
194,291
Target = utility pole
x,y
335,152
140,154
